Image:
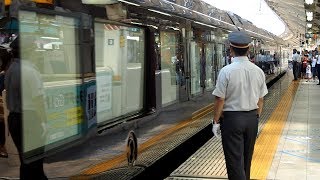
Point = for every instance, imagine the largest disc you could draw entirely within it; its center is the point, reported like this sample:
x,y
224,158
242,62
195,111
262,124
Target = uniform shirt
x,y
241,84
31,83
296,57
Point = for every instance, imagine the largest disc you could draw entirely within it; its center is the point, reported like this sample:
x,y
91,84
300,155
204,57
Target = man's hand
x,y
216,129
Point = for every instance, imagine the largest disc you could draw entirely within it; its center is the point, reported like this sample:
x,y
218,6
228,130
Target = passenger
x,y
5,61
31,111
308,72
239,96
295,63
318,68
313,67
304,66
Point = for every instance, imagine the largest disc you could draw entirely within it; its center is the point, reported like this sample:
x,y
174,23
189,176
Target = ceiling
x,y
293,13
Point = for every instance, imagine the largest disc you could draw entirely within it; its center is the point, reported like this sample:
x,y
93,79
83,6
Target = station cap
x,y
239,39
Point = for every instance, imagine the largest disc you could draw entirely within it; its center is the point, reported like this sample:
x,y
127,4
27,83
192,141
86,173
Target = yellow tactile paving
x,y
269,137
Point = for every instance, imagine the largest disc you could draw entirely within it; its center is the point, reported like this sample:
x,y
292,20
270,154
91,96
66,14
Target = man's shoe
x,y
3,152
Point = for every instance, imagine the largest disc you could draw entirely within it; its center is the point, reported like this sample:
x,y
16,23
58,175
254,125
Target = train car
x,y
105,63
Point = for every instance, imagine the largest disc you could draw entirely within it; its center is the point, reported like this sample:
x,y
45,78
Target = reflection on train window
x,y
195,58
53,40
50,78
120,65
170,76
209,66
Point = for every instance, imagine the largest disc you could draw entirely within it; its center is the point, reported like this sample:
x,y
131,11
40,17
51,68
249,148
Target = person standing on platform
x,y
26,108
239,96
318,68
295,63
313,66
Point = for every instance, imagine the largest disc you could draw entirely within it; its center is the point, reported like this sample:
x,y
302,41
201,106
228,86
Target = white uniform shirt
x,y
241,84
296,57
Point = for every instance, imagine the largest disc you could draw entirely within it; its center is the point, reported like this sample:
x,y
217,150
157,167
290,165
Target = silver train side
x,y
106,66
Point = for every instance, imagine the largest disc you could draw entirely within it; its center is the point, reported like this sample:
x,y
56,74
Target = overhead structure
x,y
294,15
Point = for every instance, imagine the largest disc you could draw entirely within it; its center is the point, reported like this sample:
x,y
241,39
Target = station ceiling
x,y
294,14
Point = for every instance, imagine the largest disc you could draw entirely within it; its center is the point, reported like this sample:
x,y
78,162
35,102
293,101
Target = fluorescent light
x,y
309,18
204,24
159,12
129,3
309,13
136,23
309,1
50,38
309,25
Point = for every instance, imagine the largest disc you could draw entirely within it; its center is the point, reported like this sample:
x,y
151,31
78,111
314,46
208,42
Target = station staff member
x,y
239,96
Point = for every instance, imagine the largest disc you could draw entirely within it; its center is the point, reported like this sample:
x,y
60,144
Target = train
x,y
108,62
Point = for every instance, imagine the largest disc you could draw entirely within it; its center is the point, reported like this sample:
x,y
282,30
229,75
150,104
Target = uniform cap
x,y
239,39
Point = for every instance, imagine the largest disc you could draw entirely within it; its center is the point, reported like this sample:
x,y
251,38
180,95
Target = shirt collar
x,y
240,59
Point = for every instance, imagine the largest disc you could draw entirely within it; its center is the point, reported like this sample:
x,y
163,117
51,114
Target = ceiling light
x,y
309,18
309,14
163,13
309,1
134,4
309,25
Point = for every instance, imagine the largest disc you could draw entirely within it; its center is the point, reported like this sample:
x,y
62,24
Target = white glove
x,y
216,129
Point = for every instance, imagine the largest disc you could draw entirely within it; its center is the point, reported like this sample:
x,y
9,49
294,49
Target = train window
x,y
120,70
209,66
195,58
170,74
50,78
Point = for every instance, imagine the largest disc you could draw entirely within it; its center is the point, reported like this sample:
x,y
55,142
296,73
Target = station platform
x,y
178,143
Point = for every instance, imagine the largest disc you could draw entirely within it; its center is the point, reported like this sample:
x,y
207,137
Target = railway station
x,y
145,89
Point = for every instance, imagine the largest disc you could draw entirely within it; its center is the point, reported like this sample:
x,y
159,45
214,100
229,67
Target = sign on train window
x,y
52,89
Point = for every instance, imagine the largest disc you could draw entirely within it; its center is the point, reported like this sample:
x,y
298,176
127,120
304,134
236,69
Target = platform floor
x,y
288,145
298,153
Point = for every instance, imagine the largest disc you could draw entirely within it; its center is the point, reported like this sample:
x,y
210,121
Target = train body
x,y
107,64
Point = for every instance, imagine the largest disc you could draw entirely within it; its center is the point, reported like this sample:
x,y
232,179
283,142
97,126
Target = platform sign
x,y
64,112
91,103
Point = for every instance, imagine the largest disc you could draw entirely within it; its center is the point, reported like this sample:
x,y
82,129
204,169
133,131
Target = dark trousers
x,y
239,132
28,171
2,133
318,70
295,69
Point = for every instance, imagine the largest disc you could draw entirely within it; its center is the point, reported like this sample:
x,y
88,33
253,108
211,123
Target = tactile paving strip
x,y
208,162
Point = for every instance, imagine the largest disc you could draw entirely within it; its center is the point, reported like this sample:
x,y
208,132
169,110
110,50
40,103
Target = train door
x,y
171,76
195,58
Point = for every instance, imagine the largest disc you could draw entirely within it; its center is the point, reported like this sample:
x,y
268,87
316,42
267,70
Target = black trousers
x,y
28,171
239,131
